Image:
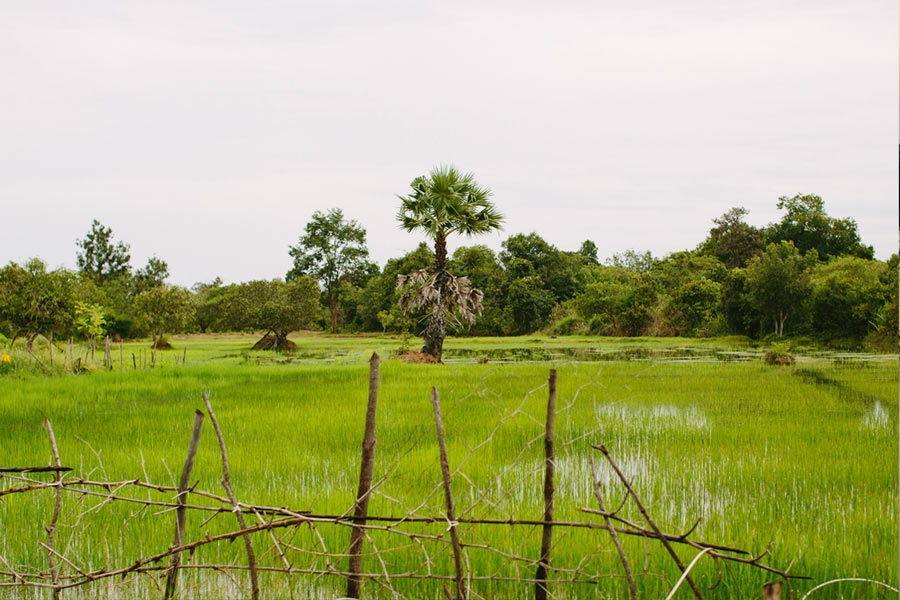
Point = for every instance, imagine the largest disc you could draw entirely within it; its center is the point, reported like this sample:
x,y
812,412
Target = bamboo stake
x,y
448,495
51,349
180,515
367,466
51,530
540,588
226,483
647,518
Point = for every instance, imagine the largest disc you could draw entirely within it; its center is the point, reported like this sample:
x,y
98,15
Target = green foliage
x,y
679,268
34,301
448,201
779,284
99,257
163,308
278,306
632,260
806,224
332,251
528,255
154,274
736,307
733,241
847,295
588,252
528,306
89,320
779,354
693,305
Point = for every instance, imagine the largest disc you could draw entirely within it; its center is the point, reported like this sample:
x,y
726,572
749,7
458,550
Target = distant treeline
x,y
807,275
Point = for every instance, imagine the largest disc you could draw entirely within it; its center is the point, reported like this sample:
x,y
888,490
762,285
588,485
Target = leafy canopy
x,y
448,201
99,257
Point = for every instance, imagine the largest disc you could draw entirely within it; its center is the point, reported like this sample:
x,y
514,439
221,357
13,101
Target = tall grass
x,y
800,460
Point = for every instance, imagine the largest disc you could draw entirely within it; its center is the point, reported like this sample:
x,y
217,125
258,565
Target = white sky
x,y
208,132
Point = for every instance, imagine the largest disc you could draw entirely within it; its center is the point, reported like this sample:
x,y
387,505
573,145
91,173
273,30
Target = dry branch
x,y
180,515
226,483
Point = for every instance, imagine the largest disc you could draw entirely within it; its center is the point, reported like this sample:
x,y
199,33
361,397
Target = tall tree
x,y
163,308
34,301
732,240
779,283
808,226
444,202
99,257
331,250
154,274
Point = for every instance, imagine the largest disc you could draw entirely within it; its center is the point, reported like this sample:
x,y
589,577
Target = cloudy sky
x,y
207,133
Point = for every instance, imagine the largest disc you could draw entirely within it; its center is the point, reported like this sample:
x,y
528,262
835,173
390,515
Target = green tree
x,y
588,251
778,282
163,308
89,321
524,255
380,293
442,203
808,226
732,240
528,306
154,274
693,305
99,257
34,301
331,250
847,293
277,307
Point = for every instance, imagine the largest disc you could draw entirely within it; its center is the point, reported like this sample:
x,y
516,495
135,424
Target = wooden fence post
x,y
448,495
772,591
367,466
180,515
540,587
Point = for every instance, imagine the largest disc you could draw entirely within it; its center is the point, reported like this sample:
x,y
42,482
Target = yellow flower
x,y
5,358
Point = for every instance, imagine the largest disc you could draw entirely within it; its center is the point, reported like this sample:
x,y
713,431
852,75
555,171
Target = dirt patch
x,y
271,342
162,344
414,356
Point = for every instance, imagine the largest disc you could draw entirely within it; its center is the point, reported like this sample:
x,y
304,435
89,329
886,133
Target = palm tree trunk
x,y
437,322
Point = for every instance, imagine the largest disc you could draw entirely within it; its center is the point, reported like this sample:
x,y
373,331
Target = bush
x,y
778,354
567,326
599,324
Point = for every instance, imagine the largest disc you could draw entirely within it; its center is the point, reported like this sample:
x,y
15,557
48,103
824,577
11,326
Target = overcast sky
x,y
207,133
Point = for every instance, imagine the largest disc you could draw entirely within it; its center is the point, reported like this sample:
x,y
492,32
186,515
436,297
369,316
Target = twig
x,y
226,483
180,515
595,485
51,530
650,521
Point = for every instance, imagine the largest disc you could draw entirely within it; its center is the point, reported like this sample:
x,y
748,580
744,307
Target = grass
x,y
801,460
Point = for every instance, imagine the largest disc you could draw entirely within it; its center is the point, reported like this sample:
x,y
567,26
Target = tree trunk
x,y
437,322
332,306
29,342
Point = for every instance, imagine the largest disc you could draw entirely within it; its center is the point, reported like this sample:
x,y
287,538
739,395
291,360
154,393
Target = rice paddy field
x,y
800,460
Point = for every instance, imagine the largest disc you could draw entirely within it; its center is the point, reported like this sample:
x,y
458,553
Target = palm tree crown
x,y
448,201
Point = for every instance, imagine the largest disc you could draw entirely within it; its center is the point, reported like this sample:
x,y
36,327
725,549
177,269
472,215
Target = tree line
x,y
807,275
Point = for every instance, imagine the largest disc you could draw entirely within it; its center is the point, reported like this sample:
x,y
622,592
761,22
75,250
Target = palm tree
x,y
444,202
